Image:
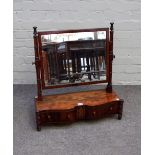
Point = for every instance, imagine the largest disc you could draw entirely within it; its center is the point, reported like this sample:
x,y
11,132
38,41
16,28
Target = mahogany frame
x,y
39,58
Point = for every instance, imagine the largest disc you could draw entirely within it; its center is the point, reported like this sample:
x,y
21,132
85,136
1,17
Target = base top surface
x,y
71,100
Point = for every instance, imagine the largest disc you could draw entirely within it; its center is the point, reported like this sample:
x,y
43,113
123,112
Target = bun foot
x,y
38,128
119,116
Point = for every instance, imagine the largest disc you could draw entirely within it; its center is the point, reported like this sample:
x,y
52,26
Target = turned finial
x,y
111,26
35,30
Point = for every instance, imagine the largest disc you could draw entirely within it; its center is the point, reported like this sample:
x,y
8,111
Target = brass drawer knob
x,y
68,116
94,113
111,108
49,117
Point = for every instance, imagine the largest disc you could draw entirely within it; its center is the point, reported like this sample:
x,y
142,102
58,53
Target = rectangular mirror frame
x,y
38,49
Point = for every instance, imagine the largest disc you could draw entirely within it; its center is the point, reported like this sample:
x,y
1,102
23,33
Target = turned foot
x,y
38,128
38,121
119,116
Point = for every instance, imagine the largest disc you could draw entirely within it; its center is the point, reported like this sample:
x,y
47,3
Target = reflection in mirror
x,y
74,57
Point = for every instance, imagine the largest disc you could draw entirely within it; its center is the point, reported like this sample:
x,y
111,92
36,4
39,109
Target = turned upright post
x,y
111,56
37,63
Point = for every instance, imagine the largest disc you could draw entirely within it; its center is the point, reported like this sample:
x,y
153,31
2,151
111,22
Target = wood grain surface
x,y
71,100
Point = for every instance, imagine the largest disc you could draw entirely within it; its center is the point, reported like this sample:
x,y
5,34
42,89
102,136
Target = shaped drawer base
x,y
72,107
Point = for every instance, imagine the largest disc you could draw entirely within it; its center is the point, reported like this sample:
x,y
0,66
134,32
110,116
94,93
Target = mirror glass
x,y
74,57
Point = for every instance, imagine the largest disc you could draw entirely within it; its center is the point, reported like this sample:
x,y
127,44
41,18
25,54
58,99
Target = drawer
x,y
67,116
101,111
57,117
49,117
112,108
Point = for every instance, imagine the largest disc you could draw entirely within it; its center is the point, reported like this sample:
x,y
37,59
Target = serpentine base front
x,y
72,107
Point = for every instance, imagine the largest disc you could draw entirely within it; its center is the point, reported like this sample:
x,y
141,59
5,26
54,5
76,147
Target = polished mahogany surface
x,y
71,100
72,107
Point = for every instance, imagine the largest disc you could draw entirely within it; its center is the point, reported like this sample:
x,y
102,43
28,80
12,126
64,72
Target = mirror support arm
x,y
111,56
37,63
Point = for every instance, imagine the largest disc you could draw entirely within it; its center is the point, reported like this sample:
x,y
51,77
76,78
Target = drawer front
x,y
49,117
68,116
101,111
57,117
